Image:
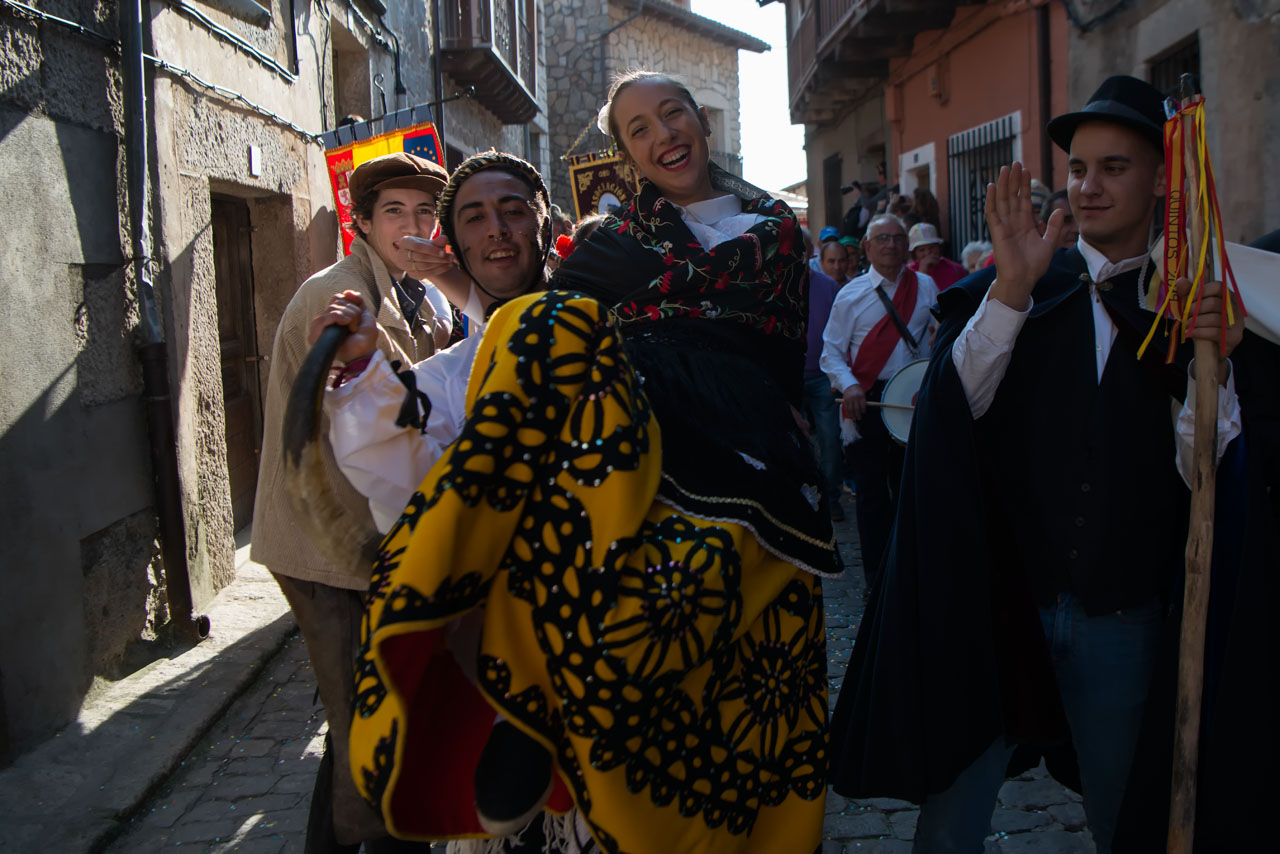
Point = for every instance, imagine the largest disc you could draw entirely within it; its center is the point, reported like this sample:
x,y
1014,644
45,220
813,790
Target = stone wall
x,y
83,593
708,68
75,514
576,83
579,70
1239,42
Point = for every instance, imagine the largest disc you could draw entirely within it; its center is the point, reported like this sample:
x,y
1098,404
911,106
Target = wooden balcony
x,y
490,44
840,51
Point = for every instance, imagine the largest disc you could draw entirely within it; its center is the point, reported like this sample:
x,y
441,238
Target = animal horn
x,y
331,526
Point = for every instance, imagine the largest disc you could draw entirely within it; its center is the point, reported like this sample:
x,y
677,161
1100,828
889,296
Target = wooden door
x,y
233,270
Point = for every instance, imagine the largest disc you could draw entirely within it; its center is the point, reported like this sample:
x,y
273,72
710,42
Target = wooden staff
x,y
1195,603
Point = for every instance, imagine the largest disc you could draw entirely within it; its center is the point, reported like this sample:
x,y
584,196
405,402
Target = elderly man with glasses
x,y
879,323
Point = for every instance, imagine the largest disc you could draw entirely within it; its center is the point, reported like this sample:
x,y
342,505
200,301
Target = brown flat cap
x,y
398,170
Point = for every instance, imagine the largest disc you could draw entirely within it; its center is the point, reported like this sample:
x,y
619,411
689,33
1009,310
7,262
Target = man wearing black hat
x,y
1039,540
391,196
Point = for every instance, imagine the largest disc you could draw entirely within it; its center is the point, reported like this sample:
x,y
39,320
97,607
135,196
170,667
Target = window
x,y
352,90
974,158
1167,69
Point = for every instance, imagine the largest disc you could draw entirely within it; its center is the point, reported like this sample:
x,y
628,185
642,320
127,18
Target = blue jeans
x,y
823,411
1103,667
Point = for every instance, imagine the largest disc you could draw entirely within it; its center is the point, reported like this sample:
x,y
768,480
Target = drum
x,y
898,401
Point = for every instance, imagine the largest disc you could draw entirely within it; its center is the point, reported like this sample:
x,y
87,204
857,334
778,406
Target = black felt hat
x,y
1121,100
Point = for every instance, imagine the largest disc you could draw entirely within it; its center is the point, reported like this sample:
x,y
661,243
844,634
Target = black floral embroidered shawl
x,y
718,336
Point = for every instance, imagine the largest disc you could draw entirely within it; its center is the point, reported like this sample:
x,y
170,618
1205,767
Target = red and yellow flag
x,y
418,139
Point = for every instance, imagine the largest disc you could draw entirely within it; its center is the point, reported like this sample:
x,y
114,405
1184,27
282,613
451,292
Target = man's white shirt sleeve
x,y
386,463
982,351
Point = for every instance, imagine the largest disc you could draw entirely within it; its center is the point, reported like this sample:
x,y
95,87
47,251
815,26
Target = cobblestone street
x,y
1035,815
246,786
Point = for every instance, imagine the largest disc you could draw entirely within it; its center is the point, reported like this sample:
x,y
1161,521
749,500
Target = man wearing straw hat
x,y
1039,541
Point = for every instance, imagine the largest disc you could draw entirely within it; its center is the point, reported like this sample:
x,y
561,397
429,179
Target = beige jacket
x,y
278,538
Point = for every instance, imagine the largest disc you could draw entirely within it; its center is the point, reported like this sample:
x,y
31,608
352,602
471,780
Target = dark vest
x,y
1086,478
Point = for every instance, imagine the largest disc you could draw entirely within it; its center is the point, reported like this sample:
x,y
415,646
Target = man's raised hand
x,y
1022,253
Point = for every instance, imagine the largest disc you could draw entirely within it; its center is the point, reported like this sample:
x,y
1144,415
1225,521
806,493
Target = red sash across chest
x,y
876,348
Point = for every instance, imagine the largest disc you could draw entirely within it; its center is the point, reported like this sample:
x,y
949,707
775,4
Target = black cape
x,y
951,653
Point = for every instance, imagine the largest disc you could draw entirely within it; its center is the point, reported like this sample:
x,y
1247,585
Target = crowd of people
x,y
587,613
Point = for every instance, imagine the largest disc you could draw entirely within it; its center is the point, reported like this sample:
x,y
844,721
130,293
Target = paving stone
x,y
1071,816
277,729
832,846
254,747
903,823
255,765
1005,820
261,845
208,832
171,806
198,770
300,783
1047,842
288,823
217,810
878,846
836,802
853,825
230,788
1034,794
886,804
214,811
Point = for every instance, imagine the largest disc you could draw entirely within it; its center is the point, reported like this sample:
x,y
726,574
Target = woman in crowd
x,y
973,254
605,594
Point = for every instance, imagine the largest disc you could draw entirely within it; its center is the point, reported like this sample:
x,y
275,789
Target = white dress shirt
x,y
713,221
386,463
855,313
984,347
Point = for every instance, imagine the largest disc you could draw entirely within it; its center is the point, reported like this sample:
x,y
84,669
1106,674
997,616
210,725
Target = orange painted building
x,y
972,97
943,91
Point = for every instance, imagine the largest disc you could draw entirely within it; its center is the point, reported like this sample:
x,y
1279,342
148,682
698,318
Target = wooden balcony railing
x,y
840,48
489,44
802,52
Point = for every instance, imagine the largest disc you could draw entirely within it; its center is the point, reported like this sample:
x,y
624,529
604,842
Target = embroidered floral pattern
x,y
757,279
661,664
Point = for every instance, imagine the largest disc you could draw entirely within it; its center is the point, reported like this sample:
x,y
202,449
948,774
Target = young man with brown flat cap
x,y
495,239
1033,580
392,196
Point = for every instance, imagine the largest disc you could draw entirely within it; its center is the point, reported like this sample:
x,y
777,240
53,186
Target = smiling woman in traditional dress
x,y
632,518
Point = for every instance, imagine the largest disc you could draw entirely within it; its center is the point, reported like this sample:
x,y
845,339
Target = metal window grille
x,y
974,158
1167,71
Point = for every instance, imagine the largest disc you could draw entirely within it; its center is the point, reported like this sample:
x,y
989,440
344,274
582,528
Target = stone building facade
x,y
589,42
1232,46
240,212
906,83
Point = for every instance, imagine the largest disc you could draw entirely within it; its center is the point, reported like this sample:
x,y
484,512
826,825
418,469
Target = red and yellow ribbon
x,y
1178,257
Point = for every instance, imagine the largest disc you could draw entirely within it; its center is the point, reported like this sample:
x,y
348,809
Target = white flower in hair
x,y
602,119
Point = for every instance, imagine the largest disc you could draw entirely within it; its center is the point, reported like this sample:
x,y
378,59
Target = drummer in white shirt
x,y
863,347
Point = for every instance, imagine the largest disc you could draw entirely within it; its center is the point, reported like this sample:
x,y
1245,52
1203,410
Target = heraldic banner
x,y
599,182
410,130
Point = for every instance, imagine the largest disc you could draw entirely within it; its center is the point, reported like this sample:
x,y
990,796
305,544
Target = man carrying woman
x,y
617,561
